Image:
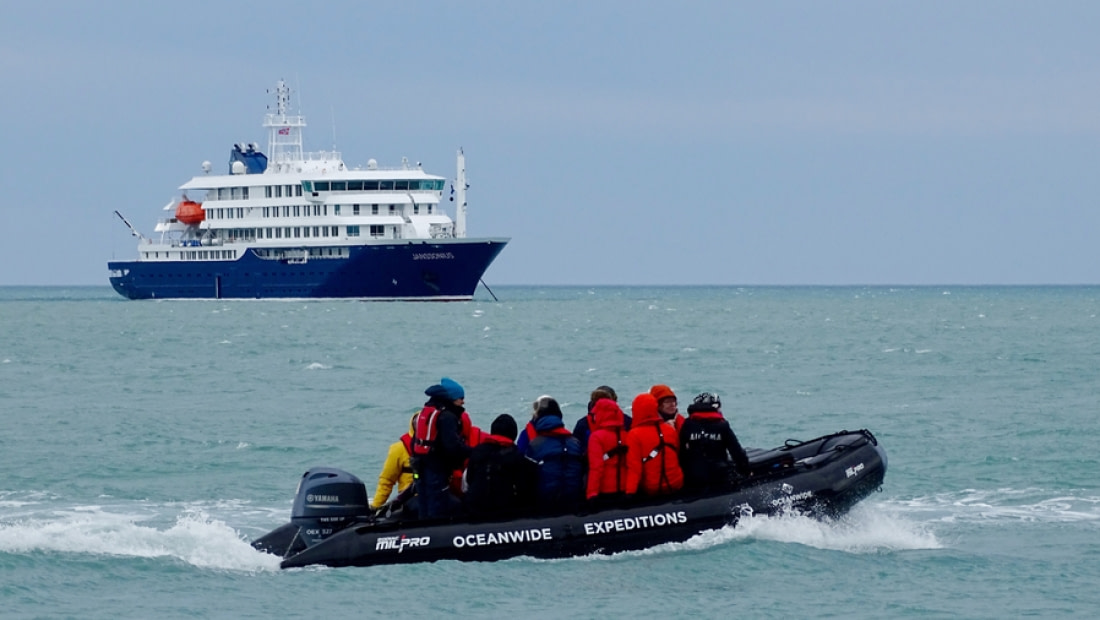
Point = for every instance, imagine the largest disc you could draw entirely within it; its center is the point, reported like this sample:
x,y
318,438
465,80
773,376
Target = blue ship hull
x,y
417,270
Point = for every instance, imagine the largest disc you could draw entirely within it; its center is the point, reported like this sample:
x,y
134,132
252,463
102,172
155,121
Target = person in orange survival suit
x,y
654,448
667,405
611,477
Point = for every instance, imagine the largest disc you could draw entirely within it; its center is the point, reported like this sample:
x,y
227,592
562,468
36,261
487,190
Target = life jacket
x,y
618,452
407,441
667,461
472,434
424,440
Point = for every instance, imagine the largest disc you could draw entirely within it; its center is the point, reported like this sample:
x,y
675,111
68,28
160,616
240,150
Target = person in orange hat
x,y
667,405
654,448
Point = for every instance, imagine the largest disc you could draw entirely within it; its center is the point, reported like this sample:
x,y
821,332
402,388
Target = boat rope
x,y
482,280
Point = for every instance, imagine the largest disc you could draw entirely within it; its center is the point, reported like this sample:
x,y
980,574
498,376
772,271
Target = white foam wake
x,y
195,538
984,505
868,528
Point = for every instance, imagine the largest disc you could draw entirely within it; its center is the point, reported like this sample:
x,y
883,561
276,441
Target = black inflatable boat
x,y
332,525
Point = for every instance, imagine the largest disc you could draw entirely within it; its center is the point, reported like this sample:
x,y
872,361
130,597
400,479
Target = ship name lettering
x,y
498,538
433,256
626,524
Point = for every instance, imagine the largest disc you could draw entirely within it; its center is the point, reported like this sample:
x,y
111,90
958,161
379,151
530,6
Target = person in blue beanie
x,y
439,448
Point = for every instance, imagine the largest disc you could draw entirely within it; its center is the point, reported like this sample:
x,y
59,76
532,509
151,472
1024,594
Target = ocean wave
x,y
1005,504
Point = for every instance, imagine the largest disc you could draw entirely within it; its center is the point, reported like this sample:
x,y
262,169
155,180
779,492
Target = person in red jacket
x,y
667,405
654,449
610,475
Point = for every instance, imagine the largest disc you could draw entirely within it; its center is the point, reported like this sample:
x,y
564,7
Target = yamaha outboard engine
x,y
328,500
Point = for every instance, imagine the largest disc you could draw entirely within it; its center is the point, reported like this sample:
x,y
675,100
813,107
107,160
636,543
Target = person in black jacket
x,y
710,454
499,480
439,448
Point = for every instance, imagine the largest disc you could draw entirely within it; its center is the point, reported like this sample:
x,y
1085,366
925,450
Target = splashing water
x,y
195,538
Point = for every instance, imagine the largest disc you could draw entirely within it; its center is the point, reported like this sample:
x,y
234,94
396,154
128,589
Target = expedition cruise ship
x,y
292,224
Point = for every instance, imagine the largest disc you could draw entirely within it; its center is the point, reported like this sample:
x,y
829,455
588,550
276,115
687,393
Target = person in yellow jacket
x,y
397,470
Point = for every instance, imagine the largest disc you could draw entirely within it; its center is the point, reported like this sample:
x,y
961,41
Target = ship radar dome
x,y
372,164
206,167
237,167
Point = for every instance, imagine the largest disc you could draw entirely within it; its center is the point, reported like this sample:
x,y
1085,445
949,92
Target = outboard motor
x,y
328,500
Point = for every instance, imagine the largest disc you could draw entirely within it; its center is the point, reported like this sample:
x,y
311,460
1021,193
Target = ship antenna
x,y
332,111
460,199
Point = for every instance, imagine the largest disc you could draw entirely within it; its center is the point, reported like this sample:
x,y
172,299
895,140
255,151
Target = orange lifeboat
x,y
190,212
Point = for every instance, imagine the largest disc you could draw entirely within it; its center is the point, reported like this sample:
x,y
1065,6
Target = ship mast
x,y
460,198
284,132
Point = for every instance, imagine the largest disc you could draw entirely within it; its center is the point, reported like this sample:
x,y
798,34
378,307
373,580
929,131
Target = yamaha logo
x,y
328,499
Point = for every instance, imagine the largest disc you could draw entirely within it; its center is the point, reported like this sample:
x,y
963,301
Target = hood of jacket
x,y
607,414
548,423
644,409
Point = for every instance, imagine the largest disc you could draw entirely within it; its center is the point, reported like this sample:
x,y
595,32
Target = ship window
x,y
297,232
244,193
297,190
286,232
353,231
355,209
267,191
297,211
240,212
289,190
377,231
429,209
305,231
401,185
286,211
320,186
374,209
278,233
355,186
370,185
235,193
416,209
339,186
317,209
335,231
315,232
385,185
308,185
393,209
336,209
278,191
229,213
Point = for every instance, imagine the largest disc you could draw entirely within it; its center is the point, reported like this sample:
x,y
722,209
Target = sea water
x,y
143,445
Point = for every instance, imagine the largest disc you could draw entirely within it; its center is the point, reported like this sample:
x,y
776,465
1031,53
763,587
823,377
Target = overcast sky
x,y
615,142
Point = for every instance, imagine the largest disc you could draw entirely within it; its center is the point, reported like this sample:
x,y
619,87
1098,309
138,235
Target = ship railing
x,y
185,243
319,156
